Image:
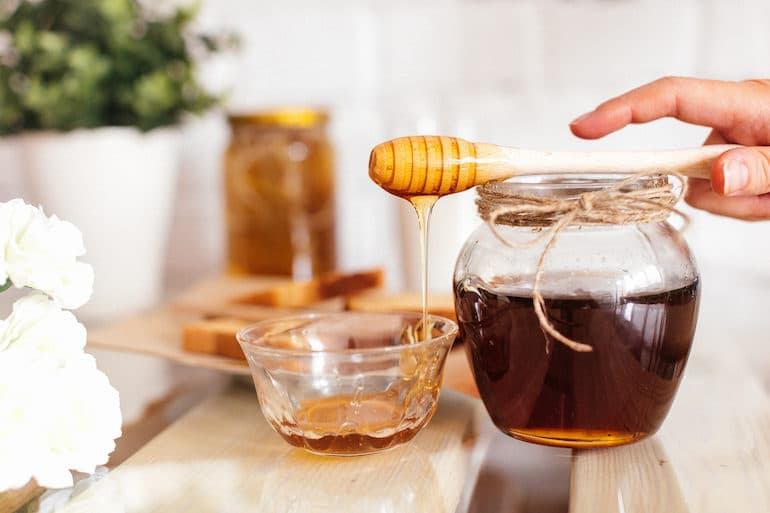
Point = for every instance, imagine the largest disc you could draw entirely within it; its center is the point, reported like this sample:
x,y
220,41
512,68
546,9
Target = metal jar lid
x,y
289,117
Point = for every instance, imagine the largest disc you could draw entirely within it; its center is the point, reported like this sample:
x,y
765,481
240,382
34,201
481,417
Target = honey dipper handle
x,y
439,165
692,162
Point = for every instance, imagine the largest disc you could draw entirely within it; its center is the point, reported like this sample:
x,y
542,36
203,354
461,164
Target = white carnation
x,y
41,252
18,422
58,412
82,422
53,420
37,328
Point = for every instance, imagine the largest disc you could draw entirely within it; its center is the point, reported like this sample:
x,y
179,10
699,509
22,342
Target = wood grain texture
x,y
440,165
718,437
635,478
712,454
224,457
718,431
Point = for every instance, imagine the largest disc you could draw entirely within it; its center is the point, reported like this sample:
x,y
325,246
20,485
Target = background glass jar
x,y
629,291
279,194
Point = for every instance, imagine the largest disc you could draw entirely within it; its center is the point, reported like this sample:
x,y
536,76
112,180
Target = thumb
x,y
742,172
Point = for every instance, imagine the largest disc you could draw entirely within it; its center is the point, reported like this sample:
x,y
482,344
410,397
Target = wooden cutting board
x,y
223,456
158,332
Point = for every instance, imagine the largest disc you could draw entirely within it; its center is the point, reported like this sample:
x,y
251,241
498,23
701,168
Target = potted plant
x,y
94,90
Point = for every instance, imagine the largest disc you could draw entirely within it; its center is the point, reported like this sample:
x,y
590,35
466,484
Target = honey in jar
x,y
628,293
619,392
279,194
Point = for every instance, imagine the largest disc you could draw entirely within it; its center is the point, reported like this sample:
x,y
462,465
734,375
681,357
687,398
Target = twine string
x,y
550,216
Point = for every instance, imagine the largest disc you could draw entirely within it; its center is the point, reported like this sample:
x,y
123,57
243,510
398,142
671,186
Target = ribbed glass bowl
x,y
347,383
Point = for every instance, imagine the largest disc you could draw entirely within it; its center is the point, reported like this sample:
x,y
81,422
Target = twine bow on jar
x,y
628,201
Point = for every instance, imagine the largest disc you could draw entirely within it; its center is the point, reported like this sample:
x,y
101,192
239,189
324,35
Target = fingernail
x,y
736,175
581,118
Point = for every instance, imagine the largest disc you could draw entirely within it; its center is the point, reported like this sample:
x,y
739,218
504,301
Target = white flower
x,y
17,422
83,421
37,328
58,412
53,420
41,252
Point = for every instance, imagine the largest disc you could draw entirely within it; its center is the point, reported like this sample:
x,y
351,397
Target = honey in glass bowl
x,y
347,383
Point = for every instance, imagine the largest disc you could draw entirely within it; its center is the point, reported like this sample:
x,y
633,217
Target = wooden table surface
x,y
711,455
223,456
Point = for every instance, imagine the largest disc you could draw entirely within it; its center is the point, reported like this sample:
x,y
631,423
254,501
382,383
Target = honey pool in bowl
x,y
347,383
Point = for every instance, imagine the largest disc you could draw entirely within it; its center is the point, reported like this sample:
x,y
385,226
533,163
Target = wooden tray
x,y
159,332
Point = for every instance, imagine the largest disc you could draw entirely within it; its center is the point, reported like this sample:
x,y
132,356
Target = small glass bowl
x,y
346,383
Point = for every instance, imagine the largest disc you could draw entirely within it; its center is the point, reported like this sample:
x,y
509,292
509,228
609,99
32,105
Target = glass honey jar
x,y
279,194
627,292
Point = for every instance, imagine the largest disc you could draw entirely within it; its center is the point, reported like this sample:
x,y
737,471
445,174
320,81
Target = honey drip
x,y
423,205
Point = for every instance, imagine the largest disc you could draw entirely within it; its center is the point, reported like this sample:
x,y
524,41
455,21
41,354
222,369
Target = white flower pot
x,y
117,185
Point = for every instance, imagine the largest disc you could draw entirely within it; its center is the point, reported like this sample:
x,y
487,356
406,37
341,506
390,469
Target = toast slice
x,y
215,337
377,301
304,294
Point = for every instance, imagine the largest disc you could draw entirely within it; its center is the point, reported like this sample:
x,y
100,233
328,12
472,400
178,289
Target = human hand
x,y
737,112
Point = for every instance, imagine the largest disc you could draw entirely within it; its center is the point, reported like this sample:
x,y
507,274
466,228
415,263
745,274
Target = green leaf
x,y
88,63
6,285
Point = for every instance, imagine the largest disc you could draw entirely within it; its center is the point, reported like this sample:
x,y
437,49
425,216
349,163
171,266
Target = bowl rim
x,y
249,346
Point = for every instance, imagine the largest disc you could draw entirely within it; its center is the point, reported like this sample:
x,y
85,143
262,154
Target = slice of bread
x,y
377,301
303,294
214,337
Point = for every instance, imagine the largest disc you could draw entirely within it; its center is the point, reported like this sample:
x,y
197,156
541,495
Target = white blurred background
x,y
513,72
510,72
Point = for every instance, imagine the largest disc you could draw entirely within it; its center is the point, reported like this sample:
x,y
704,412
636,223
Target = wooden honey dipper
x,y
439,165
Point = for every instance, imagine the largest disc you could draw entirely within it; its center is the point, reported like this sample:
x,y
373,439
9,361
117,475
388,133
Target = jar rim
x,y
571,185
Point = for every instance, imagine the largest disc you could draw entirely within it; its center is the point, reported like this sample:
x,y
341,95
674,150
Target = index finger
x,y
709,103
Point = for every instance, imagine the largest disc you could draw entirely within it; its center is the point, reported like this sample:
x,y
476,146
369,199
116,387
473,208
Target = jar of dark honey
x,y
279,194
628,291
